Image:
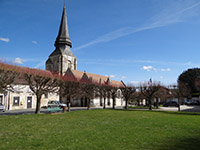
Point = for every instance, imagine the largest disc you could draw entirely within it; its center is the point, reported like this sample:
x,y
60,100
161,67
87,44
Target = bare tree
x,y
69,90
148,90
103,92
40,82
127,92
8,75
161,94
113,92
88,91
180,91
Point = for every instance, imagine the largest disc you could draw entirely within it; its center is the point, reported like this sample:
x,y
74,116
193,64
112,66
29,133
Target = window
x,y
69,64
1,99
16,101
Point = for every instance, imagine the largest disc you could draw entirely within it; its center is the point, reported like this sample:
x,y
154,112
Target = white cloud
x,y
161,77
18,61
34,42
5,39
165,70
171,15
148,68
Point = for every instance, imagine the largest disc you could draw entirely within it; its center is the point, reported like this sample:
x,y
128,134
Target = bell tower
x,y
62,57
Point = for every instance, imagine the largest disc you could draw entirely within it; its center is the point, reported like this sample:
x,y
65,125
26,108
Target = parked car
x,y
195,102
2,108
170,103
191,102
55,103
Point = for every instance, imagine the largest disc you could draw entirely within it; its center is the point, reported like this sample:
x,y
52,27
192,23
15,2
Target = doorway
x,y
29,102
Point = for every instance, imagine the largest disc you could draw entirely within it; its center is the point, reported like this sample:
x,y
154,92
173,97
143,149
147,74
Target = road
x,y
184,108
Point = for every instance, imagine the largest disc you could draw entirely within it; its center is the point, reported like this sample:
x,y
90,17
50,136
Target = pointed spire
x,y
63,34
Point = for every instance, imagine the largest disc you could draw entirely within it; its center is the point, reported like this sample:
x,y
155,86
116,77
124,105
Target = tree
x,y
88,91
161,94
70,90
103,92
188,78
40,82
180,91
8,75
113,92
127,92
148,90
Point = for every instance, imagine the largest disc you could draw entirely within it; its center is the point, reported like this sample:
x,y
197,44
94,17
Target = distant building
x,y
61,61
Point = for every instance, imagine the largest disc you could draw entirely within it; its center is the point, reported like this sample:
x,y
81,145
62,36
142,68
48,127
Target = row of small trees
x,y
42,82
69,87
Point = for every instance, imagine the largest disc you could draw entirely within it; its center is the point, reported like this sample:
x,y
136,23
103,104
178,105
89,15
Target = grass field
x,y
101,129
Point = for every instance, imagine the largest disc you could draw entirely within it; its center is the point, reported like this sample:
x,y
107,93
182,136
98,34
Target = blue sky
x,y
129,40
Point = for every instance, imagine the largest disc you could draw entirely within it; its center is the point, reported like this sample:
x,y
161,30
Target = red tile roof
x,y
96,78
73,75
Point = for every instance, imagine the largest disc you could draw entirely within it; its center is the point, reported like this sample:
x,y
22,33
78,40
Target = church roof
x,y
72,75
63,42
22,70
62,51
63,34
96,78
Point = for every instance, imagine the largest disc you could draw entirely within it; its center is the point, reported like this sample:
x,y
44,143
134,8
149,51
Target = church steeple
x,y
63,34
62,57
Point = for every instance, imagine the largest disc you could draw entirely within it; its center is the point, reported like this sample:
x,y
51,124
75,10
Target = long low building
x,y
21,96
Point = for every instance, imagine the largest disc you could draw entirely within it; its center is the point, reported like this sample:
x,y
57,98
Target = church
x,y
63,62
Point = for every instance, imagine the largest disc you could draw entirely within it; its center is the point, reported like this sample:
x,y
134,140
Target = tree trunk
x,y
150,105
126,105
156,102
101,104
37,111
113,102
138,102
179,106
88,104
108,101
104,103
68,104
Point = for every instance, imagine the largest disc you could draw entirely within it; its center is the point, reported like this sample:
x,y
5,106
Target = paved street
x,y
184,108
43,111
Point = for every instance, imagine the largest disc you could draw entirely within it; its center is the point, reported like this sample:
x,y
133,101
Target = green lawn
x,y
101,129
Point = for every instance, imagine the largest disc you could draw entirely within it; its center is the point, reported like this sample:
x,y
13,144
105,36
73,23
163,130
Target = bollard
x,y
64,109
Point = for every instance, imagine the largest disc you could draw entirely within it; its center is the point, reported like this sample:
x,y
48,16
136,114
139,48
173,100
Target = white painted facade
x,y
23,98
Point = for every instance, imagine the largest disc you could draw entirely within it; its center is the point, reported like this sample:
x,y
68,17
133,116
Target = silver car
x,y
56,104
2,108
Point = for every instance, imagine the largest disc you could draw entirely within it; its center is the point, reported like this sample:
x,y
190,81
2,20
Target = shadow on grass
x,y
189,143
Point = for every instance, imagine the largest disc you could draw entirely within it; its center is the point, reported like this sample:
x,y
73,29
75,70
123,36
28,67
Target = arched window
x,y
69,64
